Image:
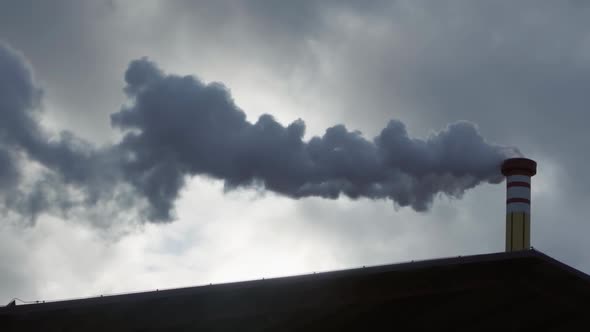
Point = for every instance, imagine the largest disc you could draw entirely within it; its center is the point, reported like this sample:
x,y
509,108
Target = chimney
x,y
518,172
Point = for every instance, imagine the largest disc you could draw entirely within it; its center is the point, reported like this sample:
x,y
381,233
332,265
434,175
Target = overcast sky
x,y
519,70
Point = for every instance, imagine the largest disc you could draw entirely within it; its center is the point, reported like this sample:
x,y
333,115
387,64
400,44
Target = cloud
x,y
9,173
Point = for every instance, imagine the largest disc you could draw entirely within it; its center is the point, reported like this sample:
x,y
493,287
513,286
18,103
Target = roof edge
x,y
561,265
404,266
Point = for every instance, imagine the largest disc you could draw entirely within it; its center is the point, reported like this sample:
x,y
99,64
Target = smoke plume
x,y
177,126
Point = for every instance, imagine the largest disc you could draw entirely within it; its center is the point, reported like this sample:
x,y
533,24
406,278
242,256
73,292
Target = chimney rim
x,y
519,166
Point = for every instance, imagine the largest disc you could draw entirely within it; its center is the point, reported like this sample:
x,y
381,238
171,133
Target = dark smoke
x,y
178,126
66,160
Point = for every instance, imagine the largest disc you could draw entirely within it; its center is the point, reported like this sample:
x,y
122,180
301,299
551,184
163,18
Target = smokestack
x,y
518,172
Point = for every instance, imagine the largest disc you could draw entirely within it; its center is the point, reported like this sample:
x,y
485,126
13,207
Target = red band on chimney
x,y
519,184
518,200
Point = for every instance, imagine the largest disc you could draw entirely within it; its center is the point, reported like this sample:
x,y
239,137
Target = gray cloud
x,y
8,170
63,41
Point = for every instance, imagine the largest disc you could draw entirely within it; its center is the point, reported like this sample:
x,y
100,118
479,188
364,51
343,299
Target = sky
x,y
99,198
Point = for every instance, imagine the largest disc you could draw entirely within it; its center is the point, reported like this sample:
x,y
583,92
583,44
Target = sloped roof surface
x,y
517,291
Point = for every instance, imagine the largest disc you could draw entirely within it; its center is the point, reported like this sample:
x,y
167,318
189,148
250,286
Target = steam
x,y
177,126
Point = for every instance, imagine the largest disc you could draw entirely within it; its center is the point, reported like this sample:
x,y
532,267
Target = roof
x,y
508,291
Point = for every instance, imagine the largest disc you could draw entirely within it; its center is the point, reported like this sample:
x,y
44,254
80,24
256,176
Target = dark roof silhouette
x,y
525,290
